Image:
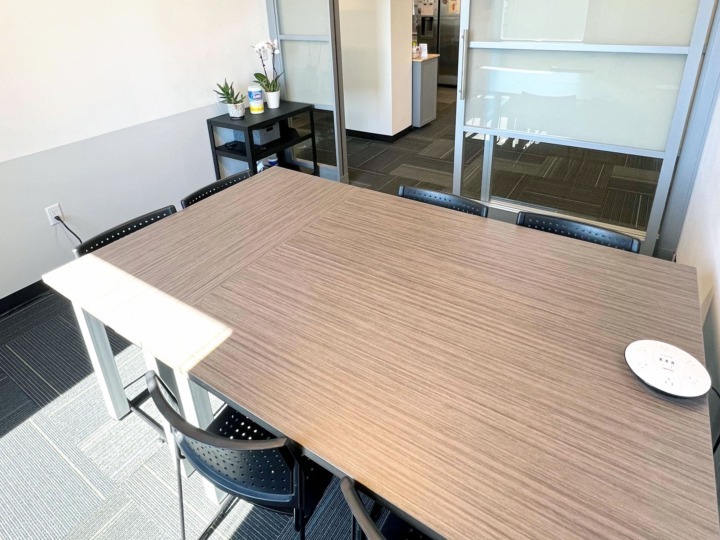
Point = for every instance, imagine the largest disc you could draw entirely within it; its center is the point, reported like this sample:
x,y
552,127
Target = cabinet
x,y
424,90
250,152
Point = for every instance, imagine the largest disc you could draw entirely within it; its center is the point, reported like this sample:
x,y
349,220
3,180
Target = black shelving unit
x,y
250,152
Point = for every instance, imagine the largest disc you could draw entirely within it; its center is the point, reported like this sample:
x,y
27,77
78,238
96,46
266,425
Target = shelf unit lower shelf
x,y
261,152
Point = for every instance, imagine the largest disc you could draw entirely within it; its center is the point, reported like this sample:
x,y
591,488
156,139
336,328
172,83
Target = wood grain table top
x,y
469,371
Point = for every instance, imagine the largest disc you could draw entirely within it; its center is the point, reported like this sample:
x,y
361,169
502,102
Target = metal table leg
x,y
103,362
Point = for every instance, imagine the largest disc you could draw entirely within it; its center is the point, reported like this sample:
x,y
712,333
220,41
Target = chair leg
x,y
178,470
299,516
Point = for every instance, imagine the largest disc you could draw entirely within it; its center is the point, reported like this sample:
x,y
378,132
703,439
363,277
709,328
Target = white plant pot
x,y
236,110
273,99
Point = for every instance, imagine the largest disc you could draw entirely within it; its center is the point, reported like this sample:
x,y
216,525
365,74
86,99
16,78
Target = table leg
x,y
103,362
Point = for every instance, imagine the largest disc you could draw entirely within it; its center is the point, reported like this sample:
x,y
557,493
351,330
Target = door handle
x,y
465,48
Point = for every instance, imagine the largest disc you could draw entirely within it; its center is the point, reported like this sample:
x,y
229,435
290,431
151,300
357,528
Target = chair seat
x,y
244,474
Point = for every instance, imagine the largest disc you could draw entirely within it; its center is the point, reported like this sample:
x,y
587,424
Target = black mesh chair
x,y
453,202
108,237
116,233
212,189
363,525
581,231
243,460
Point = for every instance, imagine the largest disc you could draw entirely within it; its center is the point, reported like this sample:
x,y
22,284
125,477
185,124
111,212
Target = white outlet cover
x,y
667,368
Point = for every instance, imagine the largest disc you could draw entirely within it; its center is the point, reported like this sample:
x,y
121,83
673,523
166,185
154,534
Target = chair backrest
x,y
116,233
212,189
453,202
359,513
581,231
234,465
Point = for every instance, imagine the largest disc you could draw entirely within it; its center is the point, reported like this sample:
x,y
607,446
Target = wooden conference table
x,y
468,371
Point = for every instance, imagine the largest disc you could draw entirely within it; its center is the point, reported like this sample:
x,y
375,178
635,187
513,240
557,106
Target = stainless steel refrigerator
x,y
438,25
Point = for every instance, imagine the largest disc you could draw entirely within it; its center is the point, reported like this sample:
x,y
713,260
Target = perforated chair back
x,y
116,233
212,189
581,231
453,202
239,457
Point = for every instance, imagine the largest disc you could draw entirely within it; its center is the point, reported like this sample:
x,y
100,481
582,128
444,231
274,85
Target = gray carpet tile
x,y
45,493
120,448
78,411
121,518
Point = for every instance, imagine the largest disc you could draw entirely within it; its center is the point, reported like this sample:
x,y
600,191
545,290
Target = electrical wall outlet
x,y
53,211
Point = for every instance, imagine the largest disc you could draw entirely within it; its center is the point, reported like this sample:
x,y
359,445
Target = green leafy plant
x,y
267,50
228,93
267,84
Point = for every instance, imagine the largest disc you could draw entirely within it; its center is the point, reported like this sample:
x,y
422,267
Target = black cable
x,y
717,442
58,218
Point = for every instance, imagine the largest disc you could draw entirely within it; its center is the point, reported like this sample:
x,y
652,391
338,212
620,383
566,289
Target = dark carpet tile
x,y
626,208
507,185
15,405
393,186
372,150
356,144
42,371
411,145
368,180
40,310
442,149
331,519
386,160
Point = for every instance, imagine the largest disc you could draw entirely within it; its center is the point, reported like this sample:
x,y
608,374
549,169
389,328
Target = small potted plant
x,y
235,101
267,50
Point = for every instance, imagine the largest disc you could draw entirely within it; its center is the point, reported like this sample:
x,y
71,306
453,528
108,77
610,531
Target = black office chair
x,y
391,528
116,233
108,237
243,460
581,231
212,189
453,202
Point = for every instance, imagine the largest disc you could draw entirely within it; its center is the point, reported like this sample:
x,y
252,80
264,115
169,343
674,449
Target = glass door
x,y
579,105
308,37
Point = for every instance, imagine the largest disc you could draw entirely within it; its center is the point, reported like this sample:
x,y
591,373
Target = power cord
x,y
58,218
717,442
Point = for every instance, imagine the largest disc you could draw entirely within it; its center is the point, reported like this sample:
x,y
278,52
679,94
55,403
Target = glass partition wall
x,y
580,105
308,37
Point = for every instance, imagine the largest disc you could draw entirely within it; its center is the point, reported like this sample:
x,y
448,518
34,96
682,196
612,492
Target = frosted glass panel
x,y
619,99
611,22
304,18
308,72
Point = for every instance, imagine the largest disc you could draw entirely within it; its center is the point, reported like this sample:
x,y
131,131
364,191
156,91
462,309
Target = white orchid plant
x,y
267,50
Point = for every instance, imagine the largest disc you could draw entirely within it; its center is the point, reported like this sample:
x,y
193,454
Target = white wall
x,y
103,108
376,40
700,247
700,239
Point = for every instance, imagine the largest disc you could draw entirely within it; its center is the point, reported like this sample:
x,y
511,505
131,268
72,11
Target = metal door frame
x,y
669,155
340,171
